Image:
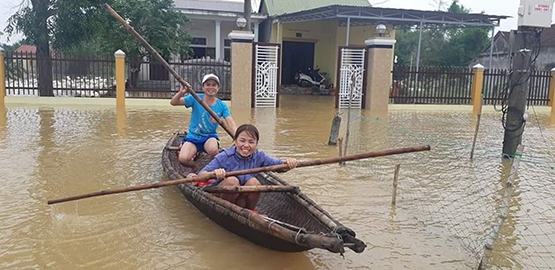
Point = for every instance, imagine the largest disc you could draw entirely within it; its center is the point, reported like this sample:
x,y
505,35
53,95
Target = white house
x,y
210,21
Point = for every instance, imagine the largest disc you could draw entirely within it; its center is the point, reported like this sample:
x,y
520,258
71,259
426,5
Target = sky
x,y
491,7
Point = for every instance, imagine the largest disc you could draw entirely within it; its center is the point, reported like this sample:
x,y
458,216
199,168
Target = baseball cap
x,y
210,76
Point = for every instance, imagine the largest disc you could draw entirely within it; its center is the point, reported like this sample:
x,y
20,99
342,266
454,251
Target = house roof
x,y
279,7
26,48
366,14
216,8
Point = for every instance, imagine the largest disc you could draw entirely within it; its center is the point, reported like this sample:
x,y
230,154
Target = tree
x,y
441,45
77,25
33,22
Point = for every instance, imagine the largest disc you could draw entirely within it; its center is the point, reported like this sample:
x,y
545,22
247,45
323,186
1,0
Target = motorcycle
x,y
311,78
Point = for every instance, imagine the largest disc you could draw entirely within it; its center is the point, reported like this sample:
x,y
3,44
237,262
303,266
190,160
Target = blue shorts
x,y
199,142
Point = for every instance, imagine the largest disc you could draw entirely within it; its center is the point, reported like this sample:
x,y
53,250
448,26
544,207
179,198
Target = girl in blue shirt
x,y
242,155
202,136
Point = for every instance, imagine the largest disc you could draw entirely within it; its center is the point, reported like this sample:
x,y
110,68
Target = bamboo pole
x,y
279,167
395,183
347,133
251,189
165,64
340,148
475,136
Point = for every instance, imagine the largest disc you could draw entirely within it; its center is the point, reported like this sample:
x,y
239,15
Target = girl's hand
x,y
191,175
183,90
220,174
291,163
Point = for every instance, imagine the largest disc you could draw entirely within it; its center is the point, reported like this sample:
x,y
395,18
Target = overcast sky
x,y
492,7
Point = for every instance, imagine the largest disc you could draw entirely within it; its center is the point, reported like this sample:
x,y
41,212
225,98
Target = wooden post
x,y
395,183
477,87
475,135
120,77
334,132
552,93
2,77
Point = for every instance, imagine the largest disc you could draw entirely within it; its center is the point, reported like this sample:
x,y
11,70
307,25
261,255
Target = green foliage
x,y
441,45
84,26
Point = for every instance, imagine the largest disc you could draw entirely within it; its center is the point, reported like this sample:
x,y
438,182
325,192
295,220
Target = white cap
x,y
211,76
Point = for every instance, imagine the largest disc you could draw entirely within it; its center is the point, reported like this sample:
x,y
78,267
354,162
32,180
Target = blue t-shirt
x,y
230,160
202,126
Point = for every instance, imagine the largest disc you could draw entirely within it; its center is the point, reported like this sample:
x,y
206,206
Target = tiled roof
x,y
279,7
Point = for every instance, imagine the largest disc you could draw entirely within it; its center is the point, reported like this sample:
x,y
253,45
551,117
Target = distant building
x,y
26,49
501,51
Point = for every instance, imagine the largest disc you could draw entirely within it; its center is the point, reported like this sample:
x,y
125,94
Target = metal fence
x,y
79,76
155,82
496,84
452,85
71,76
431,85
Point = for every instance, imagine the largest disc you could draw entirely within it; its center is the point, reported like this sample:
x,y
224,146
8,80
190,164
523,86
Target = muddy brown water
x,y
446,203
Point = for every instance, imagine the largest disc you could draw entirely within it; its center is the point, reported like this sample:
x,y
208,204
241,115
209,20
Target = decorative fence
x,y
94,77
155,82
496,82
431,85
452,85
71,76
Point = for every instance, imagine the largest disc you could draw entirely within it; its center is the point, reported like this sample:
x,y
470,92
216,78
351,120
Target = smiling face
x,y
210,87
246,144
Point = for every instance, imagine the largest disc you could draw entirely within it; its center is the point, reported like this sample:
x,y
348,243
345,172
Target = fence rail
x,y
452,85
431,85
71,76
94,77
153,81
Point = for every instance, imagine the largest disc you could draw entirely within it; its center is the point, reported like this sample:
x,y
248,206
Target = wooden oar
x,y
162,61
251,189
279,167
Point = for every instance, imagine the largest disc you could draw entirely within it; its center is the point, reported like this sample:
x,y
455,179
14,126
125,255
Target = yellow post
x,y
551,89
2,77
477,88
120,77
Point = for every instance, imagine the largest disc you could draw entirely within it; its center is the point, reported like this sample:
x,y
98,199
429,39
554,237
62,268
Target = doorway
x,y
296,56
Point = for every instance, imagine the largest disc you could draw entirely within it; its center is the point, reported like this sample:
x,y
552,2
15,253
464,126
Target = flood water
x,y
446,207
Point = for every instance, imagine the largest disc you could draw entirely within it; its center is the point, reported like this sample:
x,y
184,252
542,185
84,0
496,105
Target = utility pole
x,y
533,15
247,10
522,41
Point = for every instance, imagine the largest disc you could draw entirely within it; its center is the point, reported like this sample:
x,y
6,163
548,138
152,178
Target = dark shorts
x,y
199,143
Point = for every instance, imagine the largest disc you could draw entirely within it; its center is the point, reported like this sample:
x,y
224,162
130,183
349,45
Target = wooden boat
x,y
285,221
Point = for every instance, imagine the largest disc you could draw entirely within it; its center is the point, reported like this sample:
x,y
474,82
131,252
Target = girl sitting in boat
x,y
242,155
202,136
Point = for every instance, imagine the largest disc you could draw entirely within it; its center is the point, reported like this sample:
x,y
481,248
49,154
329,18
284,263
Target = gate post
x,y
120,77
241,69
2,77
477,87
379,77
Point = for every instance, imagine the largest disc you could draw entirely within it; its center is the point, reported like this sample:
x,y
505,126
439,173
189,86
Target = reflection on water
x,y
445,206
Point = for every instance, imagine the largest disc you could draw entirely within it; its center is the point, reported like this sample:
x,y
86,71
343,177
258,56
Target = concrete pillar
x,y
241,69
120,77
2,77
378,78
477,88
218,39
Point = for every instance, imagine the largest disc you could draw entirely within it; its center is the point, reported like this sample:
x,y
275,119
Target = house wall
x,y
327,36
207,29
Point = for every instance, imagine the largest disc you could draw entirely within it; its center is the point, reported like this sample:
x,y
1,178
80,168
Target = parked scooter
x,y
310,78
